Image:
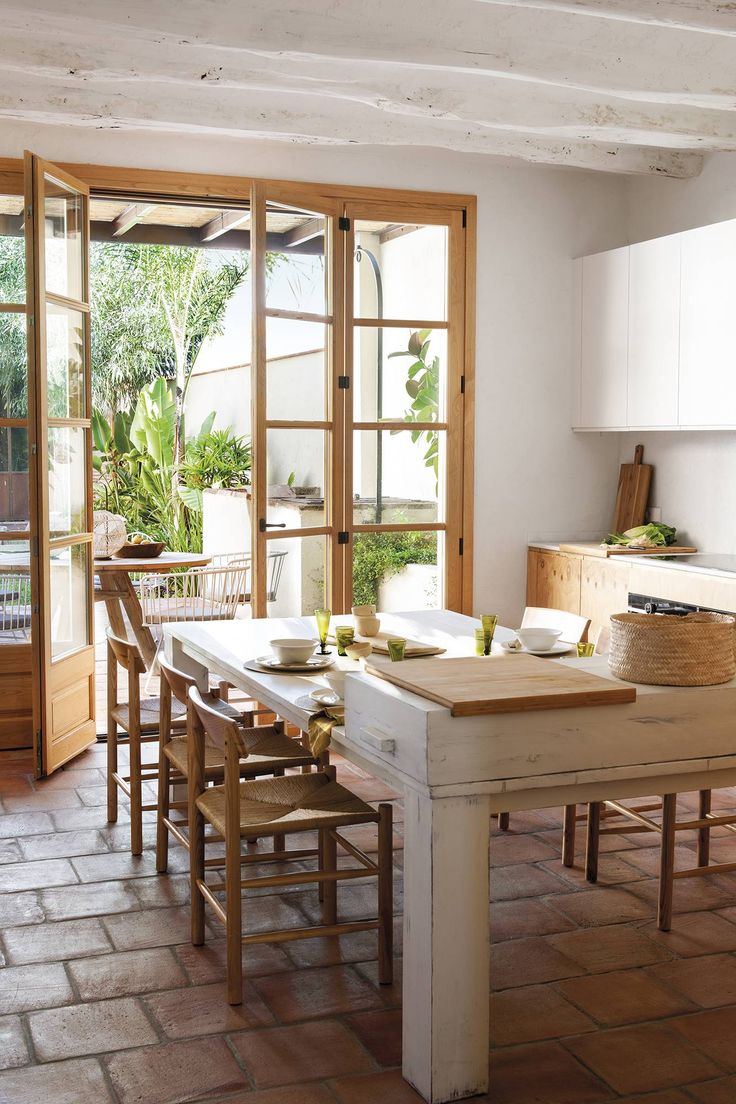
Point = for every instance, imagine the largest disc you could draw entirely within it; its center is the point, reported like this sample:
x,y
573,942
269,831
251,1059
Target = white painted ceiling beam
x,y
626,85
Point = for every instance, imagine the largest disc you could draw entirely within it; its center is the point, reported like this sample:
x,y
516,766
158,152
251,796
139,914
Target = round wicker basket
x,y
694,650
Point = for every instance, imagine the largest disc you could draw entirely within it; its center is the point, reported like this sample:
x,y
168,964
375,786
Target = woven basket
x,y
694,650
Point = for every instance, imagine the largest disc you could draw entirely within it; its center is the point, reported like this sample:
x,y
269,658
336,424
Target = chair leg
x,y
568,835
164,798
279,839
593,841
112,767
704,805
385,894
667,862
329,862
136,793
234,920
503,821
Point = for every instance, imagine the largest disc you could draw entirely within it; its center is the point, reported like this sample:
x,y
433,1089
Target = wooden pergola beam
x,y
312,228
222,223
130,217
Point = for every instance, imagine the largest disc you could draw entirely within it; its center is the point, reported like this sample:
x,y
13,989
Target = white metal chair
x,y
200,594
15,605
275,567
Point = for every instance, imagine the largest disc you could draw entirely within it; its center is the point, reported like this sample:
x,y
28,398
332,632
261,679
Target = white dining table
x,y
454,772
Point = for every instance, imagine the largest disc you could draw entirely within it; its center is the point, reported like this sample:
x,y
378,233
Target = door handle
x,y
263,525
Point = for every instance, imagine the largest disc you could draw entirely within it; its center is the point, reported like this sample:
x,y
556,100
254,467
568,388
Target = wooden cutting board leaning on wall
x,y
632,496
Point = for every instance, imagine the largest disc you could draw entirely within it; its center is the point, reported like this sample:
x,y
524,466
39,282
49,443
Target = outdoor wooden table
x,y
454,773
118,593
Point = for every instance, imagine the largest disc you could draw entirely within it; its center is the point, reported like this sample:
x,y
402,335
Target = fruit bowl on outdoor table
x,y
139,549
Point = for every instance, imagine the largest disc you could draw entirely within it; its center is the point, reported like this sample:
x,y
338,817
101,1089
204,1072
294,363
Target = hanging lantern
x,y
109,533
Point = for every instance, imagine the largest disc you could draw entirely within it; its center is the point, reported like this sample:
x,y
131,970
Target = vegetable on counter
x,y
654,535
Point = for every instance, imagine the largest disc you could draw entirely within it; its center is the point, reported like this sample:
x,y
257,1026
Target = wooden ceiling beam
x,y
312,228
130,217
223,223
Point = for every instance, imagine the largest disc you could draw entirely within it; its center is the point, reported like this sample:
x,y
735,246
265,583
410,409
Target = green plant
x,y
135,459
217,459
423,388
379,556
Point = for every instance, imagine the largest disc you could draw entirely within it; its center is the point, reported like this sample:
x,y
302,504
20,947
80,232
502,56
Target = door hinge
x,y
343,538
460,546
343,382
34,546
465,218
34,449
343,223
462,384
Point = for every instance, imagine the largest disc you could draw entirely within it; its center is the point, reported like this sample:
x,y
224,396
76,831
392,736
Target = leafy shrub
x,y
379,556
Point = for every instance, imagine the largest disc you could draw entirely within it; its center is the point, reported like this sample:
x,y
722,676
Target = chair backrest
x,y
178,681
126,653
15,603
275,569
202,594
603,641
219,729
572,626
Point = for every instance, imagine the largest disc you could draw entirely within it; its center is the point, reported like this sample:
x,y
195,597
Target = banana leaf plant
x,y
423,388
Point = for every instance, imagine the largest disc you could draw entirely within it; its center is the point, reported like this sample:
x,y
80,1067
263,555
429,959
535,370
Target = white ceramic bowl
x,y
538,639
336,681
293,649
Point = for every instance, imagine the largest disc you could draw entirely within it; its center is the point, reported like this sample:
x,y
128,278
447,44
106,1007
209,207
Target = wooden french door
x,y
298,404
405,405
57,268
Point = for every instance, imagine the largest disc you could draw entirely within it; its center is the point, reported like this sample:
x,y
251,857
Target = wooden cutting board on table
x,y
470,687
634,481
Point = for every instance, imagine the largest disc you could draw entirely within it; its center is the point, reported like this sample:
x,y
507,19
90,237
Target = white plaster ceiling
x,y
636,86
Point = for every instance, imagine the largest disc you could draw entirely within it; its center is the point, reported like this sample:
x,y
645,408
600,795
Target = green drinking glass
x,y
344,635
586,650
482,646
489,622
323,624
396,648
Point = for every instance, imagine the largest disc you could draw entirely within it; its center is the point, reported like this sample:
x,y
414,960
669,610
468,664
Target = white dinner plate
x,y
557,649
314,663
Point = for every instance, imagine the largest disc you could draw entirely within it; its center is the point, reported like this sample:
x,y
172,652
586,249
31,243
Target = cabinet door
x,y
604,589
654,332
558,581
603,344
708,326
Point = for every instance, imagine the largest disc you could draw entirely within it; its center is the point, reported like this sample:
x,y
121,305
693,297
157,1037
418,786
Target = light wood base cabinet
x,y
586,585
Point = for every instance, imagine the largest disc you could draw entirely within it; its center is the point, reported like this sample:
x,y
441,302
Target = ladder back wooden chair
x,y
574,629
140,720
633,818
270,751
275,807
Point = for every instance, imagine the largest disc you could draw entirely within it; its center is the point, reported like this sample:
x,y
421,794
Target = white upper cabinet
x,y
603,340
654,333
708,326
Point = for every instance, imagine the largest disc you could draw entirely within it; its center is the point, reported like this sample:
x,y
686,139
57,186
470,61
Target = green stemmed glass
x,y
323,624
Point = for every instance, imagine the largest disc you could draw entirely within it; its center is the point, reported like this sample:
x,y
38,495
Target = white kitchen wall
x,y
534,477
694,473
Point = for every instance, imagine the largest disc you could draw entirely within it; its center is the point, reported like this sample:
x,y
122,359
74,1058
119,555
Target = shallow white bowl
x,y
538,639
293,649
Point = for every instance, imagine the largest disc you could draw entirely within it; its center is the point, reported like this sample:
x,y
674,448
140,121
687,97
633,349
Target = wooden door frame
x,y
35,171
192,187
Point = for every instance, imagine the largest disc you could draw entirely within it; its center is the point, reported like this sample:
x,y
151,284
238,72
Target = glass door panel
x,y
295,447
404,337
57,236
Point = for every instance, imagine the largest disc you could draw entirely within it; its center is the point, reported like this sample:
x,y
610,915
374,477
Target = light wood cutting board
x,y
470,687
633,493
583,548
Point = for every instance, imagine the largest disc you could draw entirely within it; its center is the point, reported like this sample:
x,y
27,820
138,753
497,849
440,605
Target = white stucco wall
x,y
533,475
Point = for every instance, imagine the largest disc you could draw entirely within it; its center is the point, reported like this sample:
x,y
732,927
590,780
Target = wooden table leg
x,y
446,946
132,606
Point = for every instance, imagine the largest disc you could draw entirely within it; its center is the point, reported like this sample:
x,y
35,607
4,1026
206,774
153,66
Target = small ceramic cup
x,y
366,625
364,611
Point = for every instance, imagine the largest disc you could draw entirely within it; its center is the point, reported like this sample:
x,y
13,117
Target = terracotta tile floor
x,y
104,1001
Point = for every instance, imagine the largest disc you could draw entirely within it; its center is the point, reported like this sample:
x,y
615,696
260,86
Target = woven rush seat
x,y
295,803
265,753
150,714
